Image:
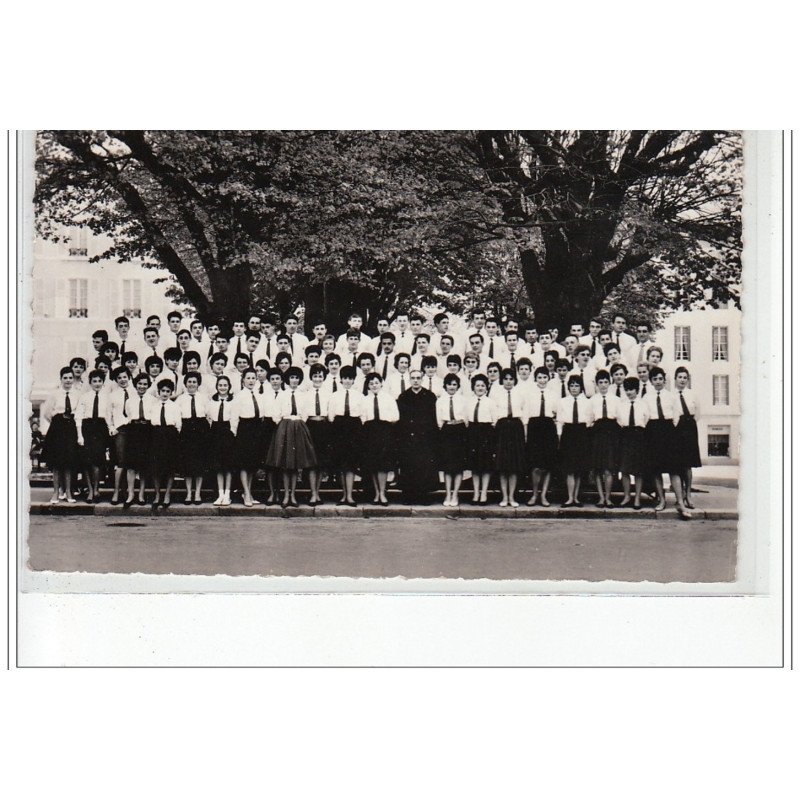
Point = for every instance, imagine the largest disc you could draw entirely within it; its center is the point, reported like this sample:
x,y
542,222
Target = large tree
x,y
590,211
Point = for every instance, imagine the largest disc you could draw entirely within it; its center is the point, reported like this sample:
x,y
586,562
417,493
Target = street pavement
x,y
623,548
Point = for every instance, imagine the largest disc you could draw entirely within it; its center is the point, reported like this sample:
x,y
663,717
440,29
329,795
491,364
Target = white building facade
x,y
707,342
72,298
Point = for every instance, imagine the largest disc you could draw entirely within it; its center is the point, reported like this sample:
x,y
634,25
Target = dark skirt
x,y
95,441
453,448
195,445
632,459
541,447
481,442
510,448
660,447
165,450
116,449
346,446
60,449
379,446
222,447
574,453
136,445
605,445
268,428
250,444
291,446
687,442
320,430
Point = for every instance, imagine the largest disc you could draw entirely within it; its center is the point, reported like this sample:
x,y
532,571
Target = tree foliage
x,y
550,222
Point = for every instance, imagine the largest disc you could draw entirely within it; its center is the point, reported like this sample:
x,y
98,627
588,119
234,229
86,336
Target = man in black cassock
x,y
418,433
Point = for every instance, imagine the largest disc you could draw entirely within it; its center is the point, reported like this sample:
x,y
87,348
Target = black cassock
x,y
418,435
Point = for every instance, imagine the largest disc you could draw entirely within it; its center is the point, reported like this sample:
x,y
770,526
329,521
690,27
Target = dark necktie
x,y
261,389
414,347
67,404
491,348
541,407
194,409
477,406
365,390
510,412
430,383
334,384
452,411
513,362
631,418
575,412
684,407
238,345
644,390
141,408
124,403
317,410
210,350
122,350
269,348
294,406
385,366
221,415
255,404
605,409
402,384
164,415
619,391
347,403
658,406
594,347
377,409
563,388
96,406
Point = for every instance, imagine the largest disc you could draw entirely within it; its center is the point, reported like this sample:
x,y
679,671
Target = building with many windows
x,y
707,343
73,297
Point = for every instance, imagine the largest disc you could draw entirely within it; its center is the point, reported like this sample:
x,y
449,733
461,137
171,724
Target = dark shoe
x,y
342,503
294,504
567,504
637,506
600,504
352,504
384,503
126,504
141,502
187,501
197,502
578,504
166,505
154,506
483,502
114,502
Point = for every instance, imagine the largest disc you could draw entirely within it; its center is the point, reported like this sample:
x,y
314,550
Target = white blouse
x,y
184,403
565,410
243,407
284,404
387,407
56,404
308,407
588,375
443,408
337,400
641,415
172,413
535,397
397,383
501,397
670,407
487,410
596,404
85,406
212,409
689,399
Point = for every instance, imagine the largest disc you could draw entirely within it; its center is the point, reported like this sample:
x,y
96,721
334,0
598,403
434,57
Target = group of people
x,y
409,405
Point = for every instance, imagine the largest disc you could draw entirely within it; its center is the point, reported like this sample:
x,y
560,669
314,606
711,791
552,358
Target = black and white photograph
x,y
397,355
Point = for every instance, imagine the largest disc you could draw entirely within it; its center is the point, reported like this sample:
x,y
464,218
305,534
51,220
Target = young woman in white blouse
x,y
481,416
687,444
344,413
92,417
450,413
541,441
379,414
134,412
222,447
512,413
195,436
315,413
574,415
246,423
165,419
632,417
292,449
605,437
60,449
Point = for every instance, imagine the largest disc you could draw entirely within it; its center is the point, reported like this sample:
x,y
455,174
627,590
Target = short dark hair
x,y
193,375
602,374
100,333
164,383
332,357
119,320
151,360
631,383
174,315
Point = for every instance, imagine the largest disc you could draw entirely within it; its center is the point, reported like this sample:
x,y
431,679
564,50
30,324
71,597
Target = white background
x,y
430,733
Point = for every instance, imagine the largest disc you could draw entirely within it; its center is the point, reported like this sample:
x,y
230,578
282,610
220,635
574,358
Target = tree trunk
x,y
230,294
333,302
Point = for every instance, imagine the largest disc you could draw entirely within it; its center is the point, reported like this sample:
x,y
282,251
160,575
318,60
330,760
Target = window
x,y
77,243
132,299
78,298
719,343
683,350
719,441
719,394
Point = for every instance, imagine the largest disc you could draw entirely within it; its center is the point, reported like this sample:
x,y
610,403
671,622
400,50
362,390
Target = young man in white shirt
x,y
495,344
583,368
354,323
174,325
476,345
383,327
237,342
384,362
619,336
403,339
298,341
422,349
637,353
595,326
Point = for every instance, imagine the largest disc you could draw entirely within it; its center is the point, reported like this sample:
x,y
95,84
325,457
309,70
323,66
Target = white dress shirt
x,y
535,402
387,407
641,414
443,408
337,400
596,404
397,383
85,407
403,342
487,410
689,399
212,409
387,361
364,343
56,404
564,410
501,397
284,404
172,413
308,407
588,375
184,403
243,408
670,406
